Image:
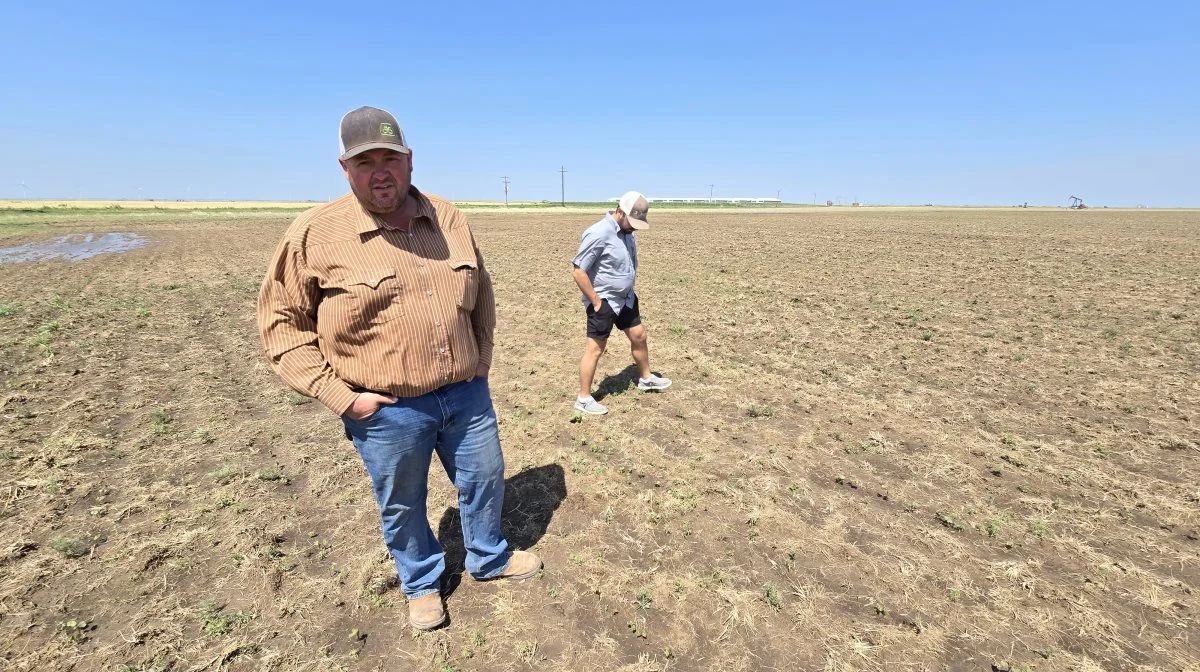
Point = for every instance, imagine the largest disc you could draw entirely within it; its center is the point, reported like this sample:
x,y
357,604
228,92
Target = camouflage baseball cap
x,y
370,128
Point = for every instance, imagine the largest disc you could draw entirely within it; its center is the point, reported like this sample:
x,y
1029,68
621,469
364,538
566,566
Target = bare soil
x,y
921,439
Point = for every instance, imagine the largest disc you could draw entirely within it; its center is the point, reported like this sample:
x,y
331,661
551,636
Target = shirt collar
x,y
616,227
365,222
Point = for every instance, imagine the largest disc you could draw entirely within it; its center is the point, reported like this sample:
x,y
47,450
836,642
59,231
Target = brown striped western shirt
x,y
349,304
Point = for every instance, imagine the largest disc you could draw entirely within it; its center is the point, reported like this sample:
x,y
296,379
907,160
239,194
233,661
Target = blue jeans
x,y
396,445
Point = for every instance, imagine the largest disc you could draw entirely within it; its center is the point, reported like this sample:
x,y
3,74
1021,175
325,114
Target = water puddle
x,y
73,247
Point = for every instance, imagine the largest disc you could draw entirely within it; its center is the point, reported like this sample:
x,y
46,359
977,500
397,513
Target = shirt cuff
x,y
485,354
337,397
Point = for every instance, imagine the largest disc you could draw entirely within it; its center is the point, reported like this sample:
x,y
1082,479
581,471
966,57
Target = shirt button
x,y
443,351
429,292
420,263
437,323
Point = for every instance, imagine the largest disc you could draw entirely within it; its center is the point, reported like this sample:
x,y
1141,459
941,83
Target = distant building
x,y
704,199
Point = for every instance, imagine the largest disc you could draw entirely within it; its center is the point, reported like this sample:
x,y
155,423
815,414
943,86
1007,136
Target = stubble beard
x,y
383,206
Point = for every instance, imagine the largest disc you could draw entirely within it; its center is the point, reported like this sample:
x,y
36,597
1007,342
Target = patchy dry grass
x,y
929,439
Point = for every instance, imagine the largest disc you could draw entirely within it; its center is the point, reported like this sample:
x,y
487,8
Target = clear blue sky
x,y
963,102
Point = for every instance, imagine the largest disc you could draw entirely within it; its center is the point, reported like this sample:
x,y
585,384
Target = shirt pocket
x,y
374,296
466,282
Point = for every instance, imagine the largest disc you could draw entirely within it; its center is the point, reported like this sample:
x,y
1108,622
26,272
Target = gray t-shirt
x,y
609,256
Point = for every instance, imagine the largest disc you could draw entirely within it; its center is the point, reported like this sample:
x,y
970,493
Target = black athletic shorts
x,y
600,322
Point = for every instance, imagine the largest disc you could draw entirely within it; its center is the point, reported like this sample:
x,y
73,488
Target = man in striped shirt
x,y
379,306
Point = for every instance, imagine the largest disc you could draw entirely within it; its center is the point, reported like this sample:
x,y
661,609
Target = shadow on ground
x,y
530,499
617,383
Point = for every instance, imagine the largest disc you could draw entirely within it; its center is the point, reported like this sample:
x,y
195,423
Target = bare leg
x,y
588,363
640,347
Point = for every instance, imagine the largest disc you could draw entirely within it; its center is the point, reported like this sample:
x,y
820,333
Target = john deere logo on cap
x,y
386,129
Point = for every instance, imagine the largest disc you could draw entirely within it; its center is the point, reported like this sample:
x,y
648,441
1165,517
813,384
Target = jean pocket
x,y
368,419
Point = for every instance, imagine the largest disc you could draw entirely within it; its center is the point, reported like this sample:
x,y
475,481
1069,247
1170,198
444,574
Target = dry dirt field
x,y
43,205
912,439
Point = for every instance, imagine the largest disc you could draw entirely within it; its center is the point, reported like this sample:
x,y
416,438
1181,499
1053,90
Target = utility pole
x,y
710,187
505,178
562,170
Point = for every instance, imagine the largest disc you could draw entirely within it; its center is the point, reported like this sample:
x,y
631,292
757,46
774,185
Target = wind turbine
x,y
24,190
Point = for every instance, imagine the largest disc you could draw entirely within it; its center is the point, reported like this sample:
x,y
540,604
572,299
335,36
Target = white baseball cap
x,y
635,206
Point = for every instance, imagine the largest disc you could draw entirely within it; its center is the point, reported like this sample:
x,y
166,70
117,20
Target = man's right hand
x,y
597,304
367,403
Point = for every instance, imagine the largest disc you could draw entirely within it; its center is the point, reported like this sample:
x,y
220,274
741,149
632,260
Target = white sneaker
x,y
654,383
589,405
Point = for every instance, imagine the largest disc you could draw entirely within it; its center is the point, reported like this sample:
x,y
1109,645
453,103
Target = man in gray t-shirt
x,y
605,269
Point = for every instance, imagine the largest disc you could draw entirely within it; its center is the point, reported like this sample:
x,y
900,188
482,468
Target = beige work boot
x,y
522,565
426,613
